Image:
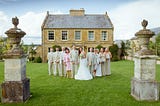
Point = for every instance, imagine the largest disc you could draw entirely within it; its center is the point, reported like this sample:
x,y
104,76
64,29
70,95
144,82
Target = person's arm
x,y
70,55
110,54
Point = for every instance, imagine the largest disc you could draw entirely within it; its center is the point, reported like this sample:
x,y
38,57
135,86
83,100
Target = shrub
x,y
99,47
55,46
38,60
31,58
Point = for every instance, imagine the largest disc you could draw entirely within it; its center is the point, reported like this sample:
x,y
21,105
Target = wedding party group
x,y
78,64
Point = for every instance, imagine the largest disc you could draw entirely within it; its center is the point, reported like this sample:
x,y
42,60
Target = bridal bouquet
x,y
82,55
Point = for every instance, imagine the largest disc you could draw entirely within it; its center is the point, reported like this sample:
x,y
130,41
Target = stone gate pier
x,y
16,86
144,85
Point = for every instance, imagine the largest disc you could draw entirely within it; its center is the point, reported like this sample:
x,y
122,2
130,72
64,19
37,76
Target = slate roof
x,y
86,21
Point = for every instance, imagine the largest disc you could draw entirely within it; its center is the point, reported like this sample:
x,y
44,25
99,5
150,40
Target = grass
x,y
112,90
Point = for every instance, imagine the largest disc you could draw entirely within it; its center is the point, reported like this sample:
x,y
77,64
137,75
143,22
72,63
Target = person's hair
x,y
80,51
67,49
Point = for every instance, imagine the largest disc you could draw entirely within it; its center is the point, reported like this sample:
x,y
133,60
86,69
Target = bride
x,y
83,71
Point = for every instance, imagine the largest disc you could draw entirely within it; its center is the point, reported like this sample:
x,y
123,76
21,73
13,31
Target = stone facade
x,y
75,22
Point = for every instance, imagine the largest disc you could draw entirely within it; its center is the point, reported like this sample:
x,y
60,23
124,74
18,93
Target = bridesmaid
x,y
67,63
108,56
102,61
98,63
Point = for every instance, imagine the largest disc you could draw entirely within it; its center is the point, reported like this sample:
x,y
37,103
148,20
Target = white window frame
x,y
93,35
75,35
53,36
62,33
102,36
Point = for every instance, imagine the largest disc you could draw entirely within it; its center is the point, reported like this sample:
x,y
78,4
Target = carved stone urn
x,y
143,38
14,35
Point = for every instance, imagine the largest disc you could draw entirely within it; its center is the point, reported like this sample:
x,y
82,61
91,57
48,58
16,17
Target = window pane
x,y
50,35
77,35
104,35
64,35
91,35
49,49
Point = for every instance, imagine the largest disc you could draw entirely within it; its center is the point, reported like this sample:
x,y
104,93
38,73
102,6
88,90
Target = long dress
x,y
108,71
98,66
83,71
103,64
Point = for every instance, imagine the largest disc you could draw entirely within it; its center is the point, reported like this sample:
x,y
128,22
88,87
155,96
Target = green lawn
x,y
112,90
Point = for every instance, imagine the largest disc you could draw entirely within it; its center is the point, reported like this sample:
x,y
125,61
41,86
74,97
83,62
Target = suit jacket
x,y
62,55
57,57
74,56
50,56
91,58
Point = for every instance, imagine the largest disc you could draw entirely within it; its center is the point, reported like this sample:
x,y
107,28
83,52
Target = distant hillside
x,y
156,30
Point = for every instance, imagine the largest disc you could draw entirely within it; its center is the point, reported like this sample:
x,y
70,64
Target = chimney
x,y
79,12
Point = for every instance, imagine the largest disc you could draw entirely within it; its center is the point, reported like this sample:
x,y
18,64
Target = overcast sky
x,y
126,15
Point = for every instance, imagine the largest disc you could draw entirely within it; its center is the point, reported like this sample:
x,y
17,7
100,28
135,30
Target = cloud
x,y
4,23
7,1
30,22
127,18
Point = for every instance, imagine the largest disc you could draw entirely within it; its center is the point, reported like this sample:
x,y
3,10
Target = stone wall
x,y
83,42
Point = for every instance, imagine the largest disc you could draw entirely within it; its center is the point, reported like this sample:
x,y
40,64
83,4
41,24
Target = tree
x,y
1,52
1,48
4,46
114,50
99,47
32,52
152,46
123,50
157,44
56,46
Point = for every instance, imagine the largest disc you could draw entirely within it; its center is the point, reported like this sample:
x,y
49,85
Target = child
x,y
67,63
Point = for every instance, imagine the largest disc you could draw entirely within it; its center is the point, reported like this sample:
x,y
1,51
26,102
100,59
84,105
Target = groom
x,y
91,58
74,61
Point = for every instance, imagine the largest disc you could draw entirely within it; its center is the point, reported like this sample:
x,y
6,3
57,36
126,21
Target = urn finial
x,y
144,23
144,36
14,35
15,22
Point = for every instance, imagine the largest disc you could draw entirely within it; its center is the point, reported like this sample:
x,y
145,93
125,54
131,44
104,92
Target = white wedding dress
x,y
83,71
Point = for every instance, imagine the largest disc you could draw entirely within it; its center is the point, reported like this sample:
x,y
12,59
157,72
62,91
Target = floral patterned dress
x,y
67,61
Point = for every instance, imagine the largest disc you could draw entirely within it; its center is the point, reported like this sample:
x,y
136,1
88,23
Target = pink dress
x,y
67,61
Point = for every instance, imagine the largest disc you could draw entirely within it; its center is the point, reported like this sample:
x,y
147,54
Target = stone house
x,y
76,28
